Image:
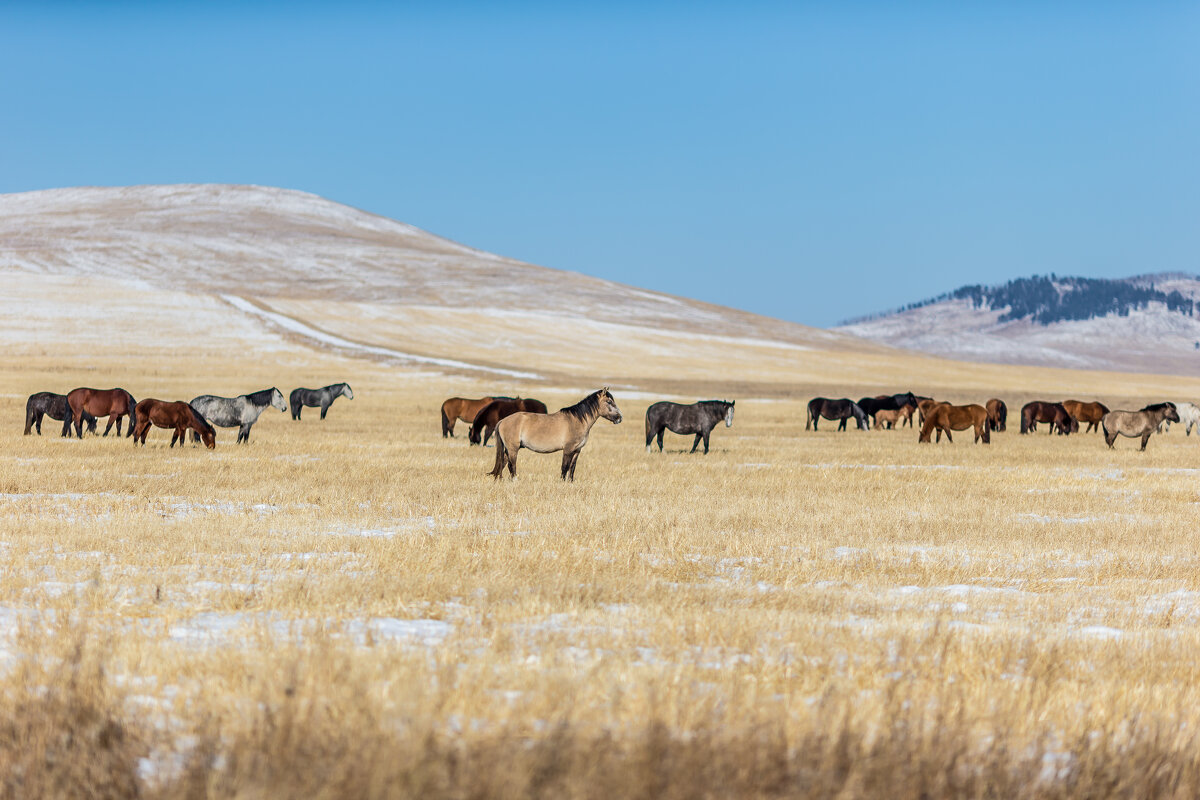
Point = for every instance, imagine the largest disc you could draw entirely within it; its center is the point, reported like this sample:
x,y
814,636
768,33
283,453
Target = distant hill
x,y
1147,323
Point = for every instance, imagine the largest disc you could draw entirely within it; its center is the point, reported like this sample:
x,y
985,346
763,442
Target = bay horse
x,y
112,403
490,415
465,409
240,412
1137,423
945,417
566,429
923,406
997,413
886,402
54,406
178,415
1041,411
319,398
842,409
1091,413
698,418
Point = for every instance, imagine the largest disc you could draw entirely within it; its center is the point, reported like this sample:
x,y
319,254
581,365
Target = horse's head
x,y
277,400
1172,413
729,415
209,437
347,392
608,407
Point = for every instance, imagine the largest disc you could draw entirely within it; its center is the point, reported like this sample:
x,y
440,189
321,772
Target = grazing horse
x,y
566,430
945,417
841,409
1041,411
241,411
465,409
178,415
886,402
112,403
322,398
490,415
1091,413
48,404
997,413
1189,415
1137,423
923,406
698,418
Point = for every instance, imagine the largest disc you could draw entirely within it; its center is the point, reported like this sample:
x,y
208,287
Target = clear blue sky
x,y
807,161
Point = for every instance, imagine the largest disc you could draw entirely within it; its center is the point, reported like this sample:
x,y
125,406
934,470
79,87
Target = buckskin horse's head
x,y
608,407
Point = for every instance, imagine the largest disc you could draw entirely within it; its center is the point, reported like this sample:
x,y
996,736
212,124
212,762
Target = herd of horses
x,y
84,406
896,410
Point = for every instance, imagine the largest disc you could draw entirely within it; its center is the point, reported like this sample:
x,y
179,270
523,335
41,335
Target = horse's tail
x,y
28,415
501,455
445,421
808,417
132,413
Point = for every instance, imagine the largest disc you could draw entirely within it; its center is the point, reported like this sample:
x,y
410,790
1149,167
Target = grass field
x,y
351,608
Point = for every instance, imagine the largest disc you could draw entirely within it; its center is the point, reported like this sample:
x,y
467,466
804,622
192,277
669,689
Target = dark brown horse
x,y
945,417
490,415
1041,411
997,413
842,409
456,408
178,415
1091,413
112,403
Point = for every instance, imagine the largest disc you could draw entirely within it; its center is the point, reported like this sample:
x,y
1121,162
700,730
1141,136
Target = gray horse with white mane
x,y
237,412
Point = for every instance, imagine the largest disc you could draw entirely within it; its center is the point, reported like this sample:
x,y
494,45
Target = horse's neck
x,y
337,390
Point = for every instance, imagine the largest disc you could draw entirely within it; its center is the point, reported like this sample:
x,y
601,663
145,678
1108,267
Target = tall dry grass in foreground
x,y
352,609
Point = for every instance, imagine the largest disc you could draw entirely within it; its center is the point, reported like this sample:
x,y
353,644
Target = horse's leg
x,y
661,431
696,443
512,460
568,460
243,436
574,459
706,433
949,438
842,424
111,419
324,409
487,434
1145,438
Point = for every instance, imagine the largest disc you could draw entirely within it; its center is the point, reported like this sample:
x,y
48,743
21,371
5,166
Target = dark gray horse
x,y
236,412
698,418
842,409
318,398
54,406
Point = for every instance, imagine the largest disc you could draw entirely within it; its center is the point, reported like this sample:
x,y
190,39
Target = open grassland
x,y
351,608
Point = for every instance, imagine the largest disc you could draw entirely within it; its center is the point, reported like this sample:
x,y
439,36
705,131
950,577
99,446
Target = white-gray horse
x,y
1189,416
238,412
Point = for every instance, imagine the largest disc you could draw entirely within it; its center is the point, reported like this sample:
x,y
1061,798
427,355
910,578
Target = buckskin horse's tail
x,y
501,455
808,417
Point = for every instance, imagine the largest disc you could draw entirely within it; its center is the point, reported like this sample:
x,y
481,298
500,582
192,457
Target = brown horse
x,y
112,403
456,408
178,415
997,413
1091,413
566,430
924,404
1041,411
490,415
1137,423
945,417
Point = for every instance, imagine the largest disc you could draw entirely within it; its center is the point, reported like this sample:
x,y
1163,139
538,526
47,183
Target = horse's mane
x,y
587,407
208,428
715,403
261,398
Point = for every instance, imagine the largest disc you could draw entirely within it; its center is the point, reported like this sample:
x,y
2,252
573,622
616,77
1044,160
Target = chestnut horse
x,y
945,417
112,403
997,413
456,408
490,415
566,429
1091,413
1040,411
178,415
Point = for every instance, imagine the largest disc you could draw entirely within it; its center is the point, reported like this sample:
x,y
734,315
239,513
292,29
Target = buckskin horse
x,y
1137,423
945,417
178,415
566,430
1091,413
698,418
237,412
842,409
997,413
1041,411
489,416
465,409
322,398
112,403
54,406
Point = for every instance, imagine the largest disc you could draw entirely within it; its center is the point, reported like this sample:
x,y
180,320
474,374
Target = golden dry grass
x,y
351,608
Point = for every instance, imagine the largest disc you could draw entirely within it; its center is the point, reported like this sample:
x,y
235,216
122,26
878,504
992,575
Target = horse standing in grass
x,y
945,417
566,430
886,402
698,418
997,413
112,403
465,409
1137,423
1189,415
54,406
842,409
490,415
319,398
240,412
1040,411
1091,413
178,415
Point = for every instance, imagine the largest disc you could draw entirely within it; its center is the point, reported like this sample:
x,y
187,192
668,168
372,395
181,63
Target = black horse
x,y
892,402
835,409
55,406
698,418
318,398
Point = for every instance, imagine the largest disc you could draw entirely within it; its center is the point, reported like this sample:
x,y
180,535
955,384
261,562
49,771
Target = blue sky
x,y
806,161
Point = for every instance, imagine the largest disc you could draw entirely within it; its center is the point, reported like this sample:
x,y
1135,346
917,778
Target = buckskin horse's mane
x,y
585,408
